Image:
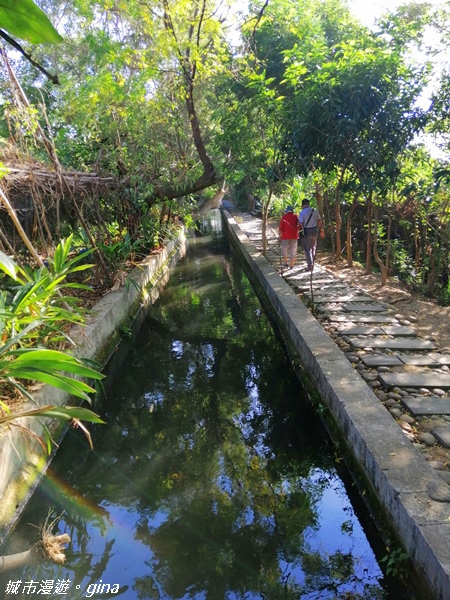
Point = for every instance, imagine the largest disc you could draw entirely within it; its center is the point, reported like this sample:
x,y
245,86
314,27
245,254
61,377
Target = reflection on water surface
x,y
213,479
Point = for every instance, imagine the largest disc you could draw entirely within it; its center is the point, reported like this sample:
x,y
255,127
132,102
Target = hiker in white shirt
x,y
311,226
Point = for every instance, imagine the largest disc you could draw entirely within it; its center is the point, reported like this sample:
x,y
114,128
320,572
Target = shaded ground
x,y
431,321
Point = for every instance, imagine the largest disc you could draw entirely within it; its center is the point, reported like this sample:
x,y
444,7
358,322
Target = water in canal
x,y
213,478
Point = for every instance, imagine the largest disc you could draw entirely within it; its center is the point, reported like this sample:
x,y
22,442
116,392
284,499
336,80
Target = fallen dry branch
x,y
49,548
27,176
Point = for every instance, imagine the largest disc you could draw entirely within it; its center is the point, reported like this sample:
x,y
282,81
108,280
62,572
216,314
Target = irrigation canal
x,y
213,478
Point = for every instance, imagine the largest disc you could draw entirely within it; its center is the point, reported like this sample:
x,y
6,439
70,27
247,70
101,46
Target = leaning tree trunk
x,y
215,201
188,71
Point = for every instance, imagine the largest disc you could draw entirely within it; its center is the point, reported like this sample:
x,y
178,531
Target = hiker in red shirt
x,y
289,228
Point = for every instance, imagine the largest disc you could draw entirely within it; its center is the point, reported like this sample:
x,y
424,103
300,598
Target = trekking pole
x,y
311,280
311,274
281,258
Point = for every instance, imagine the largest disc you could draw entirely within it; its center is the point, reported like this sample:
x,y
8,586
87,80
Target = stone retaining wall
x,y
22,459
396,472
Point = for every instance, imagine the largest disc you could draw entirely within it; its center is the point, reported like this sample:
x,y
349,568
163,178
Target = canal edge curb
x,y
396,471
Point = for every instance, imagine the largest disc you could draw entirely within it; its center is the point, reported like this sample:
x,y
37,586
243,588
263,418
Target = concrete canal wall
x,y
391,467
23,461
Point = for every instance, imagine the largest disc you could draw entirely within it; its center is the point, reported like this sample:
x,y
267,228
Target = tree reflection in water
x,y
212,459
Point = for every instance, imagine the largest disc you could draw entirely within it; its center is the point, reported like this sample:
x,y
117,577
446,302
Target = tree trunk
x,y
338,227
188,68
215,201
368,268
433,273
265,213
384,266
349,230
319,197
417,248
337,214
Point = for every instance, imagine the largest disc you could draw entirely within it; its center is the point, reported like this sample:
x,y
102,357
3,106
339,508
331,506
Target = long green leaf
x,y
52,359
7,265
66,384
27,21
15,340
60,412
61,254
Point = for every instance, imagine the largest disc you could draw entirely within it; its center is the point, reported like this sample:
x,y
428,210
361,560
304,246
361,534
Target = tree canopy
x,y
118,115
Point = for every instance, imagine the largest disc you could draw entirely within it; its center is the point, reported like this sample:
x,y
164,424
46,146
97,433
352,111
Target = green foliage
x,y
27,21
444,297
37,294
59,412
118,253
44,365
403,264
395,562
310,92
34,314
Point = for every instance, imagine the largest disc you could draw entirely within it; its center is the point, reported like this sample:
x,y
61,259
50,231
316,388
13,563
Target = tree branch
x,y
53,78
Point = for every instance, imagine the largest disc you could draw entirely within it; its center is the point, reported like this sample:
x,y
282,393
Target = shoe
x,y
285,266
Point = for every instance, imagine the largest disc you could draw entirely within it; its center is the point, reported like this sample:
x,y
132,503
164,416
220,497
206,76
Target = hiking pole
x,y
281,259
311,280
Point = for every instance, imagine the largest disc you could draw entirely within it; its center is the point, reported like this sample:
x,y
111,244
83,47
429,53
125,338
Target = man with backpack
x,y
311,227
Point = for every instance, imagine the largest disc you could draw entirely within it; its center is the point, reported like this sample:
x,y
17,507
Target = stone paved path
x,y
408,374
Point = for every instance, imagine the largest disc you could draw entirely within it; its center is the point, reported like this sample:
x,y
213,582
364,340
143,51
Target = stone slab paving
x,y
426,405
333,286
393,343
329,293
442,434
318,297
415,380
364,307
363,318
399,330
442,359
324,308
305,286
424,360
355,329
360,330
305,279
420,506
382,360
